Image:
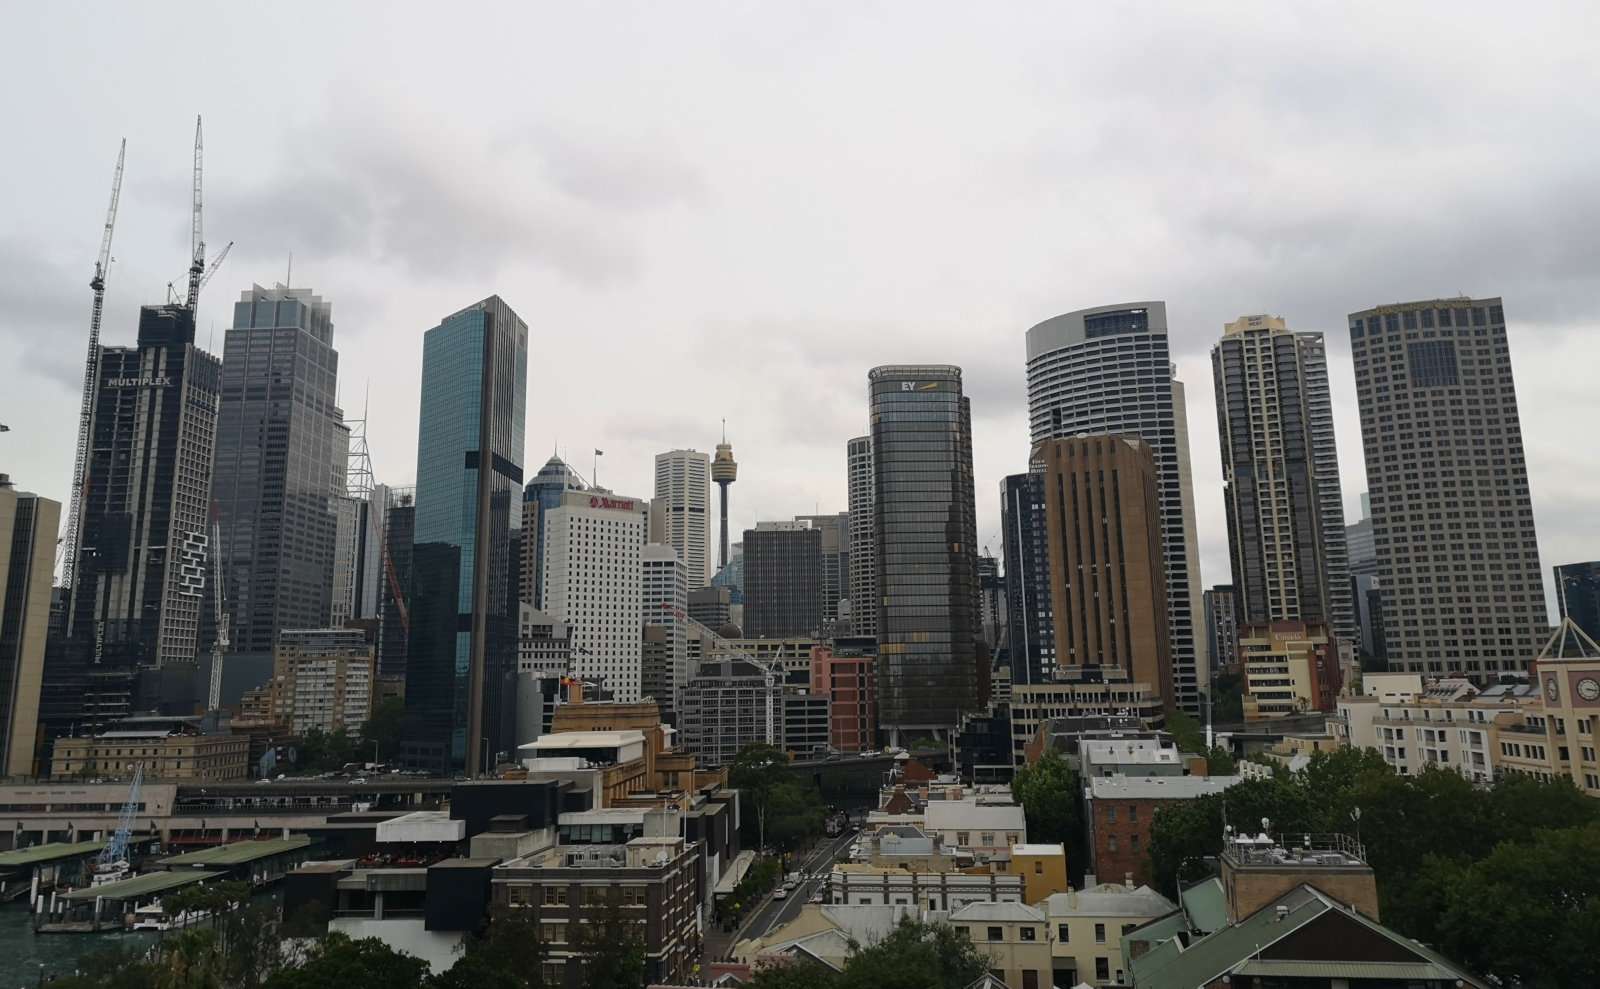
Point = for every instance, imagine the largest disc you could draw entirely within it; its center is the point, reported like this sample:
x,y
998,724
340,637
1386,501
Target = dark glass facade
x,y
782,582
281,451
394,644
925,526
463,648
1031,645
1578,595
140,580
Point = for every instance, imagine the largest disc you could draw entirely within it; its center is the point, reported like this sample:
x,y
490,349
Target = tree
x,y
609,950
1528,913
916,955
381,735
339,962
794,973
784,807
505,954
1186,732
1051,794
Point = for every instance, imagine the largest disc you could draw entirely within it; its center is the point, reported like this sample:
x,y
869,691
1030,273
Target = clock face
x,y
1589,688
1551,690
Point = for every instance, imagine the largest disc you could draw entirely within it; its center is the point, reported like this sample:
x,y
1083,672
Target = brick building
x,y
849,685
1120,811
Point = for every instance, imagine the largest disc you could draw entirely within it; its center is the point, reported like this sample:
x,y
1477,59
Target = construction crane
x,y
113,860
219,611
211,269
197,240
91,379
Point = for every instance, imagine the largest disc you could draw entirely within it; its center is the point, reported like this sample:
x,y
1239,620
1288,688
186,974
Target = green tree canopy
x,y
340,962
914,955
609,950
1051,794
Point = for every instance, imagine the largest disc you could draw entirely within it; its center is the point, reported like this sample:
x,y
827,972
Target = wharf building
x,y
463,608
863,578
1452,517
1109,371
782,580
594,583
925,525
1285,527
28,526
683,497
281,445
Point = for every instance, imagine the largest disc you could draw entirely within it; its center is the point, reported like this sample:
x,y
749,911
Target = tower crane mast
x,y
219,644
197,241
91,377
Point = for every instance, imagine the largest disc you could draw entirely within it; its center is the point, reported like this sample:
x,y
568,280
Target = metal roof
x,y
139,886
48,853
238,852
1392,971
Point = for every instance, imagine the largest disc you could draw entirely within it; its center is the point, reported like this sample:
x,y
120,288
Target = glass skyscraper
x,y
925,522
463,647
281,449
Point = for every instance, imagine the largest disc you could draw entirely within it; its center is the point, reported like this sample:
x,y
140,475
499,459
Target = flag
x,y
599,453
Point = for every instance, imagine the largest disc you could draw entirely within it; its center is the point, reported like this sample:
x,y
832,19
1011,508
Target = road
x,y
775,913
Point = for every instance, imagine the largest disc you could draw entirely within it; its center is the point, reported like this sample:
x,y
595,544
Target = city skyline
x,y
599,267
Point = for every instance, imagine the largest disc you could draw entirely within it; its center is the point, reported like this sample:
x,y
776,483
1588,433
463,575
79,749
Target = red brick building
x,y
848,683
1120,812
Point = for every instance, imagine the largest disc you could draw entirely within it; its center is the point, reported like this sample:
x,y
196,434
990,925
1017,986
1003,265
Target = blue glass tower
x,y
468,513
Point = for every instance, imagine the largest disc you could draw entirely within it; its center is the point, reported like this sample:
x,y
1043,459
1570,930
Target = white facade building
x,y
683,497
666,603
544,643
594,582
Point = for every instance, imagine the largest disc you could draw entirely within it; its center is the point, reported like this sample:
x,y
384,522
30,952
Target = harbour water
x,y
26,958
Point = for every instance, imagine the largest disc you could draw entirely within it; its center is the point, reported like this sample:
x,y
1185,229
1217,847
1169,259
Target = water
x,y
22,952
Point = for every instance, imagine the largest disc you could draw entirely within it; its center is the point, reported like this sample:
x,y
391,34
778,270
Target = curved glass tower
x,y
1108,370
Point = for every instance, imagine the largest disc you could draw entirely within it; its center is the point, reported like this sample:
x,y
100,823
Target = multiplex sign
x,y
150,381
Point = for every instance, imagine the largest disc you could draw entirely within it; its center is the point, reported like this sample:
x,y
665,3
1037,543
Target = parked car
x,y
781,894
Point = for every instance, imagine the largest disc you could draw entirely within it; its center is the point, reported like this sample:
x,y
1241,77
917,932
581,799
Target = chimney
x,y
1282,913
5,481
1127,879
1090,881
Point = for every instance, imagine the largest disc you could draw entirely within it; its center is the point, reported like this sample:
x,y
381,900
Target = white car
x,y
781,894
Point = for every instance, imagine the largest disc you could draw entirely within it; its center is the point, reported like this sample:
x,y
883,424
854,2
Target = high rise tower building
x,y
594,582
1108,370
28,526
925,521
683,496
281,450
139,587
863,585
1108,593
1578,595
542,494
1330,493
1031,633
782,580
463,612
724,471
1452,518
835,575
399,529
1280,567
665,610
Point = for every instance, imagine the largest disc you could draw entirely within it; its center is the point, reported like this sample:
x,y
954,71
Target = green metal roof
x,y
139,886
237,853
1206,905
1394,971
1173,967
49,853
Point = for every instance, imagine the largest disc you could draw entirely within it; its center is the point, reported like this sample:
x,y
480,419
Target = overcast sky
x,y
707,211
